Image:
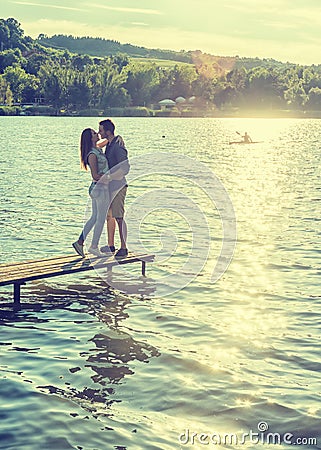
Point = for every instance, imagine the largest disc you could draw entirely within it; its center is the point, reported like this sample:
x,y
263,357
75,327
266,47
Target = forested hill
x,y
107,47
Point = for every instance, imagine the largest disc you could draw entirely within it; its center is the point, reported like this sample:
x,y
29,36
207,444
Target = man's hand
x,y
108,177
117,175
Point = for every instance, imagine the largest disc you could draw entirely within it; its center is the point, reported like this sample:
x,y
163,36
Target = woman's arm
x,y
93,164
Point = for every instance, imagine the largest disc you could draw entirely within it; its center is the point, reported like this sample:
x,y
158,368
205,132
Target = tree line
x,y
107,47
70,81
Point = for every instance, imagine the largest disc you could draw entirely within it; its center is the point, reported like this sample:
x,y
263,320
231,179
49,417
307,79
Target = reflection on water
x,y
113,353
104,358
96,361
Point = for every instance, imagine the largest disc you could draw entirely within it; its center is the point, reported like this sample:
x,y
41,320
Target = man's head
x,y
106,129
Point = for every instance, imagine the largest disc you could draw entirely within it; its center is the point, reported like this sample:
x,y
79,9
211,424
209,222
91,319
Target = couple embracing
x,y
107,190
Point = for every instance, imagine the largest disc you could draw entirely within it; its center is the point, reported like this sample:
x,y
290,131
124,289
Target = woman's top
x,y
102,164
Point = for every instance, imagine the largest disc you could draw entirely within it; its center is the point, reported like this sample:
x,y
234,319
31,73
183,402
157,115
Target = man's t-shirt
x,y
117,157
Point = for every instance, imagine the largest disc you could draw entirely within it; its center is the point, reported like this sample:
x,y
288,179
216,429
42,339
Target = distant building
x,y
167,103
180,100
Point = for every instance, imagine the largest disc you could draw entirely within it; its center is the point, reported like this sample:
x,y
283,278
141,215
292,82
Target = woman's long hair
x,y
85,146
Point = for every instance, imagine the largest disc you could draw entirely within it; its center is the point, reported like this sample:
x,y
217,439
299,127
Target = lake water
x,y
219,347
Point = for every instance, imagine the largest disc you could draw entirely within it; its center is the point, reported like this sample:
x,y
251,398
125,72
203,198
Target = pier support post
x,y
144,268
16,293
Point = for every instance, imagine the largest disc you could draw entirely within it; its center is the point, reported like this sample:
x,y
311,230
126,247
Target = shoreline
x,y
27,110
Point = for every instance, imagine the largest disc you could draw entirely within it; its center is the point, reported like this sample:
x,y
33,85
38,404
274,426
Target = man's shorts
x,y
118,204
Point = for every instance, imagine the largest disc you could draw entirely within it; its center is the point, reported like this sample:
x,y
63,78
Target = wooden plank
x,y
45,272
51,267
50,262
54,265
50,270
6,267
42,264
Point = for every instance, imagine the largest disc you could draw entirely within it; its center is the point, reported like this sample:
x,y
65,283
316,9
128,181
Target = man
x,y
118,164
246,138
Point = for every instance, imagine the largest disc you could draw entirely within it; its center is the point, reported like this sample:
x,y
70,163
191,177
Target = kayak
x,y
242,142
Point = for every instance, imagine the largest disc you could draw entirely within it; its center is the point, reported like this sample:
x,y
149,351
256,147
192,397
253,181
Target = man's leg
x,y
118,212
122,228
111,227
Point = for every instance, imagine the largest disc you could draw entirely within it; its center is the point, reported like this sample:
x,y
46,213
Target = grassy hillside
x,y
164,63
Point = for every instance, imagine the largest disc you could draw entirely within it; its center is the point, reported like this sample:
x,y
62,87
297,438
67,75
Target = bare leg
x,y
111,226
122,228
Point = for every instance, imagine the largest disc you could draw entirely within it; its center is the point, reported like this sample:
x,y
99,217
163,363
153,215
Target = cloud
x,y
276,12
69,8
126,10
280,25
50,27
139,24
253,7
258,7
307,16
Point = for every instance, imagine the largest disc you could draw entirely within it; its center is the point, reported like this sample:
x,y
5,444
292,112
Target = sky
x,y
285,30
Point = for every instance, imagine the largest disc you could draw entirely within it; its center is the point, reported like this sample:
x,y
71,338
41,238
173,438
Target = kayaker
x,y
247,138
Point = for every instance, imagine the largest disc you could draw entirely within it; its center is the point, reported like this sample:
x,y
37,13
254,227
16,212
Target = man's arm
x,y
122,167
122,159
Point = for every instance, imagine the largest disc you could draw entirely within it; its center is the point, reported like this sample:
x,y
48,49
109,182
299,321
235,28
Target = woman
x,y
91,155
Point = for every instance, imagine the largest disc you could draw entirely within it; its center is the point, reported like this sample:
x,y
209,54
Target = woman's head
x,y
88,140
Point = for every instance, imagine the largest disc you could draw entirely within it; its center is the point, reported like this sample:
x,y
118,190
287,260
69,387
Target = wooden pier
x,y
20,273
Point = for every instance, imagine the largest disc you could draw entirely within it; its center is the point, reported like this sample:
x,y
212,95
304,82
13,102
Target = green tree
x,y
8,97
79,62
15,34
113,92
106,85
295,95
205,89
33,63
51,82
263,88
79,93
141,81
237,81
162,89
120,60
23,85
3,88
183,78
4,35
225,94
314,99
11,57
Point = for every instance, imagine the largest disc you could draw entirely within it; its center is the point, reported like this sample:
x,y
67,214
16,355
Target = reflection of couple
x,y
107,190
